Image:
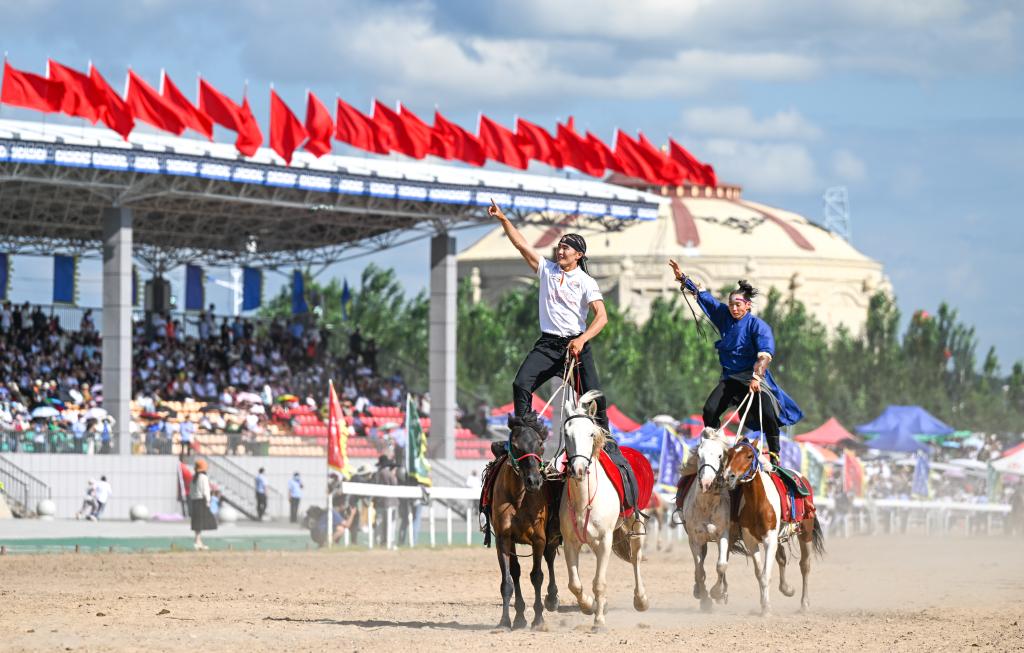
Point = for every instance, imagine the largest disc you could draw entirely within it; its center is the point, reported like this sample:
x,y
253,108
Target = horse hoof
x,y
551,603
705,604
699,591
640,603
503,625
766,611
599,628
539,627
716,593
787,590
587,606
805,607
520,622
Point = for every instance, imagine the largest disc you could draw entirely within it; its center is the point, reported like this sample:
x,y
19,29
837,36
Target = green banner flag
x,y
416,445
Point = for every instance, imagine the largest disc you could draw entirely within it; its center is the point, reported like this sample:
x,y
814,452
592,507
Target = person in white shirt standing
x,y
567,295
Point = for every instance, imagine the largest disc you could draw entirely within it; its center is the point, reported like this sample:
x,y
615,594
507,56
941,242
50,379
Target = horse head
x,y
741,462
711,451
583,437
526,448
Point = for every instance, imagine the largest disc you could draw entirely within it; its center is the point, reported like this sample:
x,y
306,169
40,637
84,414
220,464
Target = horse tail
x,y
818,538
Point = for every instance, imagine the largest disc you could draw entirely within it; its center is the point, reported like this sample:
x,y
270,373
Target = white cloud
x,y
740,122
848,167
764,167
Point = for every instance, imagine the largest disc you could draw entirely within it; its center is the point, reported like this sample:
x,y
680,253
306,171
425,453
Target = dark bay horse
x,y
522,506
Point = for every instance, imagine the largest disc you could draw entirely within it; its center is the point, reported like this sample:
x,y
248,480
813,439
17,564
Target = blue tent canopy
x,y
899,439
905,419
646,439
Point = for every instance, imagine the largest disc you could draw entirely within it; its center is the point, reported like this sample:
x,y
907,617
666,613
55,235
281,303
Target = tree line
x,y
665,366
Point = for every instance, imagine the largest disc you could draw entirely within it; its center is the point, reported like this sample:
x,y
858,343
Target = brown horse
x,y
760,522
522,506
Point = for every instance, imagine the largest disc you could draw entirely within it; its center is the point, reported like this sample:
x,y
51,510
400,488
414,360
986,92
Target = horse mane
x,y
530,420
600,438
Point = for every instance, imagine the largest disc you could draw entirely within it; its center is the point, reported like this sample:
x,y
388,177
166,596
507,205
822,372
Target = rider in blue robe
x,y
745,349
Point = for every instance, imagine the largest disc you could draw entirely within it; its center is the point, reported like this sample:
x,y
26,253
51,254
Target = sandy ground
x,y
881,593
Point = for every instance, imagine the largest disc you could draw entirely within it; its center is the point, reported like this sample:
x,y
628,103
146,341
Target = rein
x,y
755,463
572,506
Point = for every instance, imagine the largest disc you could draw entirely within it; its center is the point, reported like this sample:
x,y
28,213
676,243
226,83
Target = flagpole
x,y
330,504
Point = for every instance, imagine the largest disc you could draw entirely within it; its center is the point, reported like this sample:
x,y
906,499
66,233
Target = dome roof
x,y
689,227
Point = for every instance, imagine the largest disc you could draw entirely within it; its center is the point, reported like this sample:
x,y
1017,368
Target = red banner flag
x,y
190,116
603,153
31,91
667,170
697,172
113,111
286,132
853,474
337,436
453,142
319,126
358,130
81,99
147,105
536,143
633,161
500,144
400,138
223,111
418,131
576,152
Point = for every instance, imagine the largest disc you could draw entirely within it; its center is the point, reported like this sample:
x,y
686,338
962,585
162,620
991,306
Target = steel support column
x,y
117,322
443,294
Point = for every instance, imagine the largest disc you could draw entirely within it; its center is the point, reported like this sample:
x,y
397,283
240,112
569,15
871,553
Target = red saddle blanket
x,y
794,507
641,470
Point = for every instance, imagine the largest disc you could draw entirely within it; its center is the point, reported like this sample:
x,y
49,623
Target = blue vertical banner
x,y
194,298
5,275
298,294
922,467
252,288
346,301
65,270
672,454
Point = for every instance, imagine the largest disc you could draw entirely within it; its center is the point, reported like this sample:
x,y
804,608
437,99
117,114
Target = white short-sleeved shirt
x,y
565,298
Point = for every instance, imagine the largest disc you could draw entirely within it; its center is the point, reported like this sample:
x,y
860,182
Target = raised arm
x,y
515,237
716,311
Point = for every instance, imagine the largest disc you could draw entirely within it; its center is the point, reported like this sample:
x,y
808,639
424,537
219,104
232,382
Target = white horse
x,y
705,514
590,512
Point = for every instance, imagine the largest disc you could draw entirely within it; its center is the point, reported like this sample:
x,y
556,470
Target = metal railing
x,y
22,488
238,485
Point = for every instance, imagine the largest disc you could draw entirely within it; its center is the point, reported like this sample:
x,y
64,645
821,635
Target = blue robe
x,y
738,348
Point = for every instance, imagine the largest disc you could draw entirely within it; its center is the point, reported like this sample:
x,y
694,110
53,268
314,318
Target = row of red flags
x,y
88,95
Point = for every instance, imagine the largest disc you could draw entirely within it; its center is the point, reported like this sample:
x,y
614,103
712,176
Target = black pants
x,y
547,361
261,505
294,504
729,393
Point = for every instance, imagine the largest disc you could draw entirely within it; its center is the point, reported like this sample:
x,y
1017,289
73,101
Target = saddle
x,y
795,494
633,481
490,475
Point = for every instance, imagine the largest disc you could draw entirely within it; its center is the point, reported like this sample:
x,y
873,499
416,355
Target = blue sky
x,y
914,106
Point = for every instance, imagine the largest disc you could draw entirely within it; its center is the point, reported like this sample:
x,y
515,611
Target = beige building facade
x,y
717,238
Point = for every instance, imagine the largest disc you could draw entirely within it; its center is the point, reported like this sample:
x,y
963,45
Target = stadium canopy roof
x,y
197,200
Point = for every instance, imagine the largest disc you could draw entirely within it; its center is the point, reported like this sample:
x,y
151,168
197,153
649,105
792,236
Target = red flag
x,y
286,132
31,91
635,161
453,142
853,474
223,111
576,152
190,116
537,144
358,130
113,111
398,134
81,99
147,105
697,172
603,153
319,126
337,435
500,144
418,131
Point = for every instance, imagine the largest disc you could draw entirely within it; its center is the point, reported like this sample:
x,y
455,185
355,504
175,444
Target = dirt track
x,y
867,594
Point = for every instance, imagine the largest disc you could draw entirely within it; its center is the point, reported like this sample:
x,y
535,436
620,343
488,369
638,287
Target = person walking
x,y
295,488
261,494
103,492
199,496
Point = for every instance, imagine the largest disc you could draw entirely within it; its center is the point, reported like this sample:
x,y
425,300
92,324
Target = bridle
x,y
514,460
717,470
755,462
569,459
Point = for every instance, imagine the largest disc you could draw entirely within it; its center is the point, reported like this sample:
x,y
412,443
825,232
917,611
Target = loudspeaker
x,y
158,295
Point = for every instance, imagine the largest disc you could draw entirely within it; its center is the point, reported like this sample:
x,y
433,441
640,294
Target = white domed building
x,y
716,237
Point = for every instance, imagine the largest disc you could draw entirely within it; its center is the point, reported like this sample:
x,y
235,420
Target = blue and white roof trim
x,y
401,180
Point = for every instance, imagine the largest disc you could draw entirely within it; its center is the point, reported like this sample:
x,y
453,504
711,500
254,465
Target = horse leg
x,y
506,582
572,564
520,620
757,554
551,600
603,553
805,562
636,543
700,592
780,557
771,543
537,580
720,592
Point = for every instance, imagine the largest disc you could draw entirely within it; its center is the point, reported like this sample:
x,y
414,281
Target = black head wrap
x,y
577,242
